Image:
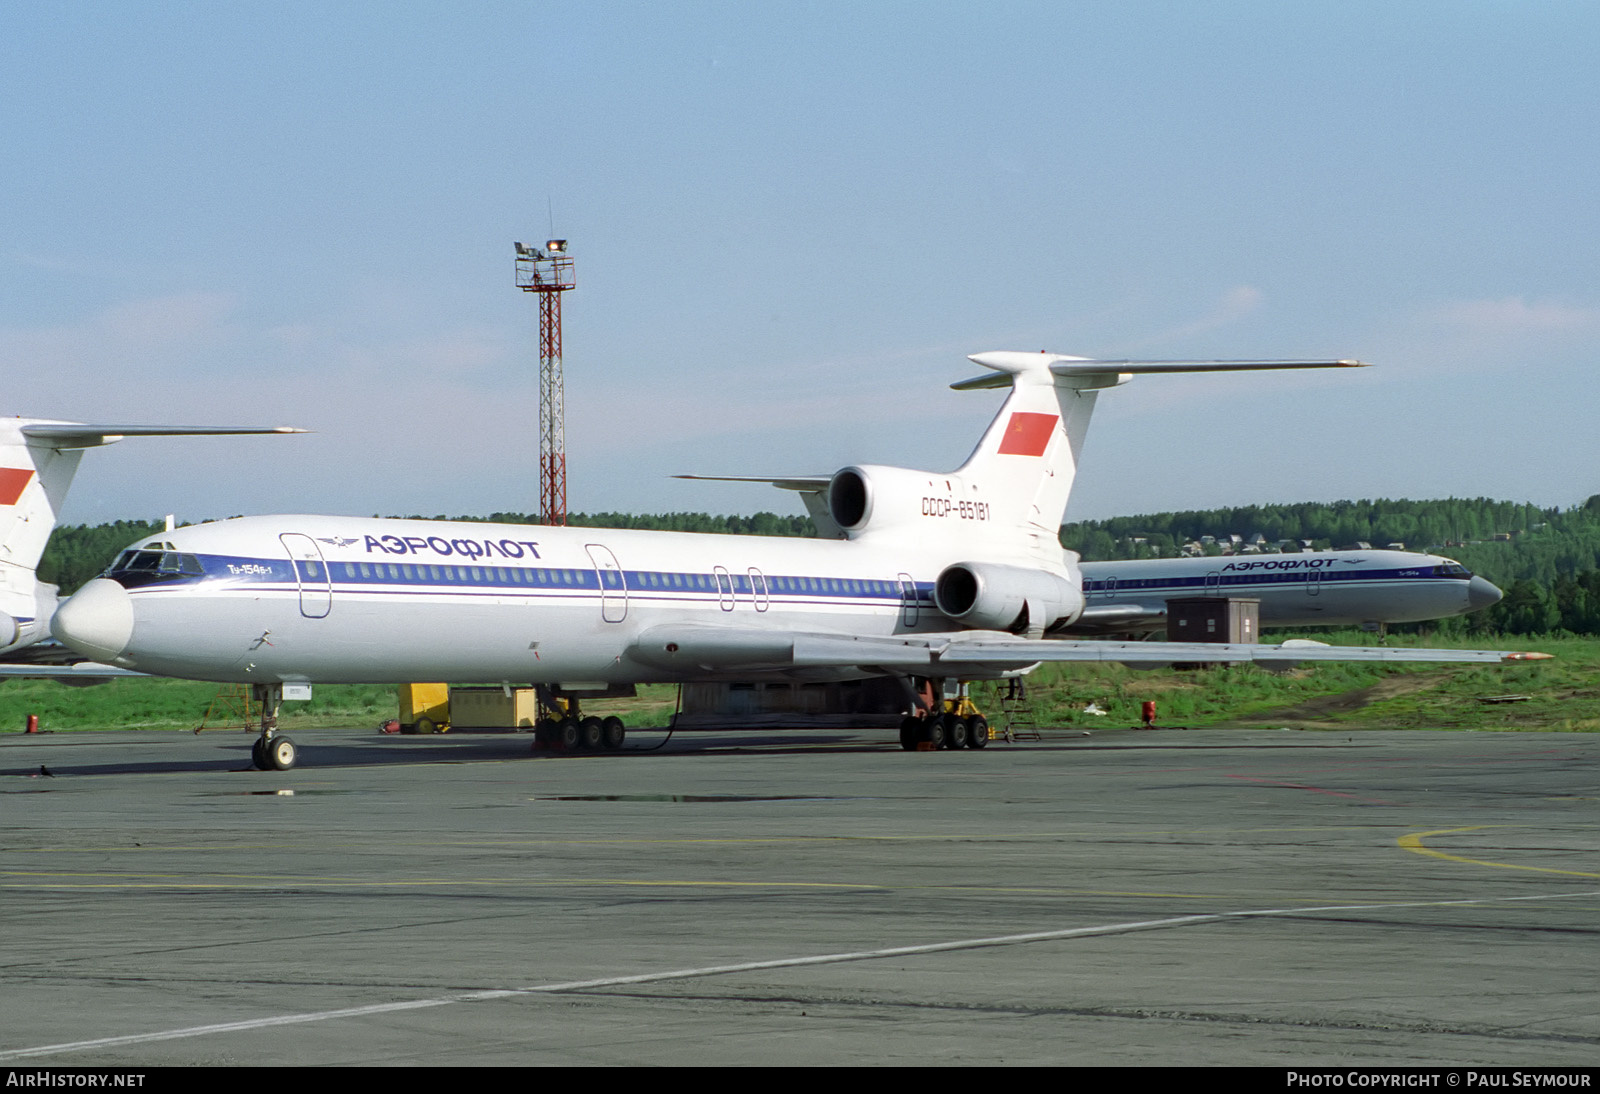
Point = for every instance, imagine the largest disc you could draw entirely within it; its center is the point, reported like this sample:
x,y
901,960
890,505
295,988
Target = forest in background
x,y
1547,561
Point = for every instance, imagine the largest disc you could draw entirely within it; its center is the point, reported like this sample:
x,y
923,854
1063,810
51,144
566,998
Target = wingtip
x,y
1528,655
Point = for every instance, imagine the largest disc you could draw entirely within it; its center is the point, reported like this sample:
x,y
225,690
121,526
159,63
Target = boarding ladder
x,y
1015,717
230,708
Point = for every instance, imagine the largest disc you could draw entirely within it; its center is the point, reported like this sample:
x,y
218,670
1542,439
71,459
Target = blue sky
x,y
791,221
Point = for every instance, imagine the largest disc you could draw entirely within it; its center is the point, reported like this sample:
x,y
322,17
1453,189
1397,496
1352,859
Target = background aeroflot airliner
x,y
926,576
1309,589
38,458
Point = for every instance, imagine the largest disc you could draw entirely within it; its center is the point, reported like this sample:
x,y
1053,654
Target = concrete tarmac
x,y
1132,897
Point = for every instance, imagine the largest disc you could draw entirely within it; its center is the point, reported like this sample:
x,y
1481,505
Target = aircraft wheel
x,y
958,733
258,754
613,733
910,733
280,753
593,733
568,734
978,734
933,730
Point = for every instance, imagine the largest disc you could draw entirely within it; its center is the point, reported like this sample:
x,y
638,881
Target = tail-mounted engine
x,y
872,498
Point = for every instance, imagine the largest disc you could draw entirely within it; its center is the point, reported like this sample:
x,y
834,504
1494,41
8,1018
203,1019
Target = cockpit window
x,y
152,563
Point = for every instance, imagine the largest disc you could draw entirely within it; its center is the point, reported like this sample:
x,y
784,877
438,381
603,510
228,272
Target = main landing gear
x,y
270,751
572,732
957,724
947,730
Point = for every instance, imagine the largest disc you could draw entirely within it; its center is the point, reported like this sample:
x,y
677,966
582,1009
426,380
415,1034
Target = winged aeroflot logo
x,y
1027,434
337,541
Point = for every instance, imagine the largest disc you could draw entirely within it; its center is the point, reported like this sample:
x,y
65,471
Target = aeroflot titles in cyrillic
x,y
1286,564
465,548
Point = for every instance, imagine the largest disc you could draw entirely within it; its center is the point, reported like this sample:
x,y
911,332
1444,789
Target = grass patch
x,y
152,703
1339,695
1563,695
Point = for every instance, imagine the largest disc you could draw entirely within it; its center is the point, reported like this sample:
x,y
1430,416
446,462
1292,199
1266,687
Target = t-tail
x,y
38,458
1012,492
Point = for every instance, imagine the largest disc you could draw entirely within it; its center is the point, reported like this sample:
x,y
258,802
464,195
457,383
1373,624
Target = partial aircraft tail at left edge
x,y
38,459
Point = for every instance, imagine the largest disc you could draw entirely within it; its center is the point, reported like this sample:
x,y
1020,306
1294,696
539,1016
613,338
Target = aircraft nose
x,y
96,621
1481,593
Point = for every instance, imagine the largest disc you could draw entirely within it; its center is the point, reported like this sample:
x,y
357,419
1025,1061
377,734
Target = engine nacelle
x,y
874,497
1006,598
850,498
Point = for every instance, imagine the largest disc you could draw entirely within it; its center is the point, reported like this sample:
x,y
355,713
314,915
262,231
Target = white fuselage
x,y
337,599
1320,588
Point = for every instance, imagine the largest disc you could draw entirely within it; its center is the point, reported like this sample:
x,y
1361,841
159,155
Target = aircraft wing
x,y
977,653
1121,617
78,435
84,672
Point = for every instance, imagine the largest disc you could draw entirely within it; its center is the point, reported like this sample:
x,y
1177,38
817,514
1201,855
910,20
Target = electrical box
x,y
1213,619
492,708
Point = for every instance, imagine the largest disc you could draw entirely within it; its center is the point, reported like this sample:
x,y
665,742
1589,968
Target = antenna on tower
x,y
548,272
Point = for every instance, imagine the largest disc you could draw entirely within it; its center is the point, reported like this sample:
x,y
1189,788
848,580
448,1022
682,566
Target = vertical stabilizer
x,y
1028,457
34,479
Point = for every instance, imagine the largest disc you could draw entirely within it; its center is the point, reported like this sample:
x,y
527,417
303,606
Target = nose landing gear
x,y
271,752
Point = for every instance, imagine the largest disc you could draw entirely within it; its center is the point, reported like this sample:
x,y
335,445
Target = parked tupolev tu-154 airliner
x,y
920,576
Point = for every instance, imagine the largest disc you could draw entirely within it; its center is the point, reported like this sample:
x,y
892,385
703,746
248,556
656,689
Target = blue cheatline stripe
x,y
1295,577
399,578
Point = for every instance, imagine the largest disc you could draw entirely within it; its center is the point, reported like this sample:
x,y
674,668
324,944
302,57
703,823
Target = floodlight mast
x,y
549,273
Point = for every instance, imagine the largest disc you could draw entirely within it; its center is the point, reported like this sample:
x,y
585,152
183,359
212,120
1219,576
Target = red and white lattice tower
x,y
548,272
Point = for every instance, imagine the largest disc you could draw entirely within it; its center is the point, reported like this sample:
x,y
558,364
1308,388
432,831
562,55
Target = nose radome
x,y
1481,593
96,621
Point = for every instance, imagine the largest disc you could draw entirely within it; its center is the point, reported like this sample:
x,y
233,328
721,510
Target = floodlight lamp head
x,y
556,246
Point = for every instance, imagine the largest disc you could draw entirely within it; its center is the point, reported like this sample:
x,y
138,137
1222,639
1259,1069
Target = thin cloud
x,y
166,321
1236,305
1515,315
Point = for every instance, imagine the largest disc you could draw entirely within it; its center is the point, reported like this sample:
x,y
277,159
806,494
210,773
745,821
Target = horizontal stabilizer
x,y
1009,362
78,435
802,483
